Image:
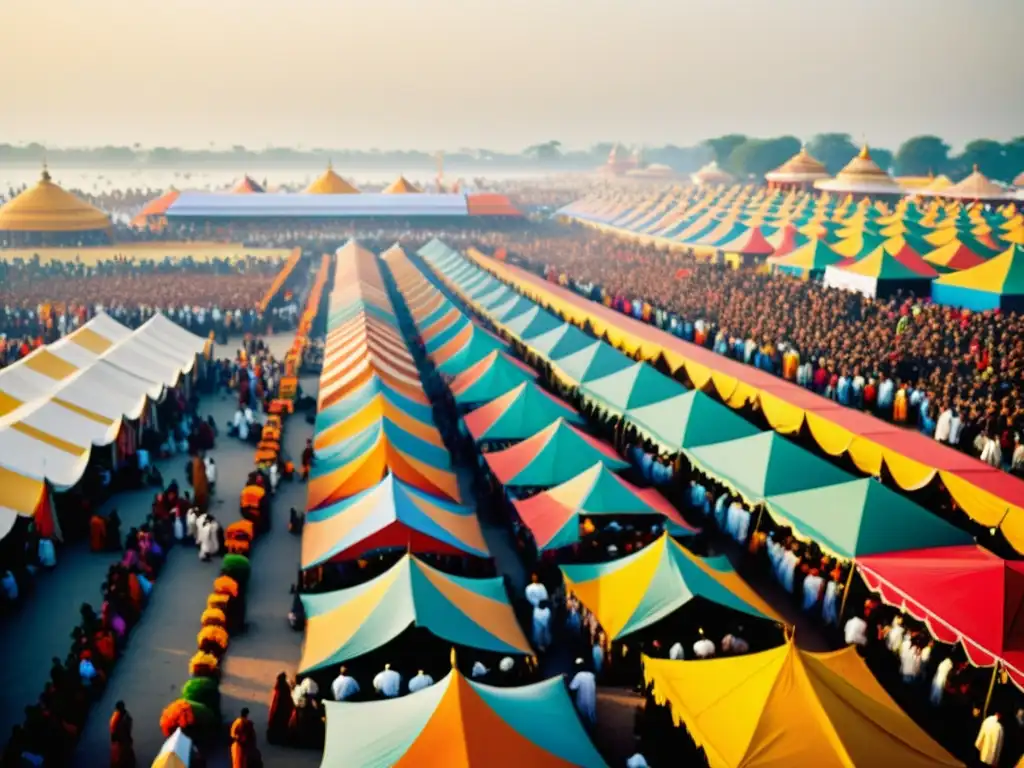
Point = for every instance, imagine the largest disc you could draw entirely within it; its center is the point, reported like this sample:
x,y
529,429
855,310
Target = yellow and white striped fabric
x,y
64,398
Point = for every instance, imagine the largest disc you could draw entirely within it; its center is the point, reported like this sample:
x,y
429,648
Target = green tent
x,y
560,342
634,387
690,420
532,323
557,453
863,517
766,464
592,362
517,414
491,377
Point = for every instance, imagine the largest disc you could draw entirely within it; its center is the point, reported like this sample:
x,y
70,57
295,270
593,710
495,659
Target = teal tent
x,y
690,420
863,517
764,465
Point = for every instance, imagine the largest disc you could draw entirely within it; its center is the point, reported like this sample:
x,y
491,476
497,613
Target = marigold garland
x,y
204,665
177,714
225,585
214,617
213,640
215,600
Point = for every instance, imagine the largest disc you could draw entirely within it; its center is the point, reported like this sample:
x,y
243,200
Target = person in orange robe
x,y
200,487
122,749
97,533
243,741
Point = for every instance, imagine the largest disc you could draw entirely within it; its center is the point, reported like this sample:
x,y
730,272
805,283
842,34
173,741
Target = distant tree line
x,y
742,155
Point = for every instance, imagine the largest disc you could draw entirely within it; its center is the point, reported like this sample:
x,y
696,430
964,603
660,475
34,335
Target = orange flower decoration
x,y
225,585
214,617
203,665
237,546
177,714
240,529
213,640
217,601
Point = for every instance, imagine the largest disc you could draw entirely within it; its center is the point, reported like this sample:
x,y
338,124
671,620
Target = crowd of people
x,y
955,375
40,303
935,682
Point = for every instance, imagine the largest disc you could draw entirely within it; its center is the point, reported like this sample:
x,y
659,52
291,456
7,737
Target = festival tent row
x,y
577,476
786,706
746,223
374,418
901,550
458,723
349,623
992,498
549,450
64,398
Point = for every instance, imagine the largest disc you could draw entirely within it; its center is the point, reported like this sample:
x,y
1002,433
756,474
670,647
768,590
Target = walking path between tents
x,y
41,628
269,646
154,667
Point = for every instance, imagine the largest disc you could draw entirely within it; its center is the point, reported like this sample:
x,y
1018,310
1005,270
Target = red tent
x,y
963,594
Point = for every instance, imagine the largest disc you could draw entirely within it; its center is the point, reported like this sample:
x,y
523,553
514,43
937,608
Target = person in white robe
x,y
704,648
812,590
830,606
856,632
894,635
420,681
910,662
542,626
536,593
990,740
344,686
478,670
209,541
192,523
211,472
387,683
676,653
939,681
584,686
275,477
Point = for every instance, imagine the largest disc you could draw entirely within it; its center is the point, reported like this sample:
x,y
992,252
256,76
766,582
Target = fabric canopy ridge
x,y
348,623
552,456
641,589
457,723
790,707
519,413
553,516
391,515
863,517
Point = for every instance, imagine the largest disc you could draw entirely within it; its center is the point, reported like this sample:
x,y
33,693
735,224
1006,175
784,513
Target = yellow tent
x,y
48,208
401,186
331,183
787,707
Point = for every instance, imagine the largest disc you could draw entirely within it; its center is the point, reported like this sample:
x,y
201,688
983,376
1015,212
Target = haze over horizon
x,y
398,74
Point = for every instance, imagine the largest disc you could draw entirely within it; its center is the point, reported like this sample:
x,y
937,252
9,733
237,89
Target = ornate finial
x,y
865,153
46,168
454,665
975,170
330,164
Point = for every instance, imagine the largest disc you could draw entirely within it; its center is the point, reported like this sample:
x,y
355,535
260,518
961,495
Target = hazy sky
x,y
503,74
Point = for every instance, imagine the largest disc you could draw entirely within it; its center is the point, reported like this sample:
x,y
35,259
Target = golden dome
x,y
801,167
863,176
976,186
401,186
48,208
331,183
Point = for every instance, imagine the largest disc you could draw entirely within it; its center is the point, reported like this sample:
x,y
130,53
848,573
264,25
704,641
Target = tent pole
x,y
991,690
846,592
